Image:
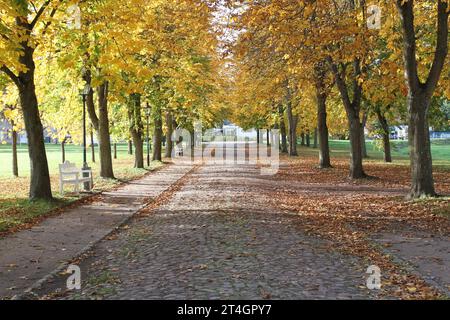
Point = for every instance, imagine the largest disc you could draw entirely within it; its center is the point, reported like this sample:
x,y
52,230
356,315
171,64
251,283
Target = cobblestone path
x,y
215,239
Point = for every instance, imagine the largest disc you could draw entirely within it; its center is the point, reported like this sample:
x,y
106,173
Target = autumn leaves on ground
x,y
140,72
348,213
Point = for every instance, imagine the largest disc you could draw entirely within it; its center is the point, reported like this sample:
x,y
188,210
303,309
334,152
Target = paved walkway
x,y
213,237
214,240
424,254
28,256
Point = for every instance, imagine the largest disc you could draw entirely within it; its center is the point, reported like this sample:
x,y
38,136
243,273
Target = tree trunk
x,y
322,127
139,153
63,151
157,135
363,136
106,167
40,187
356,160
420,94
315,143
169,144
115,150
419,141
308,140
100,124
284,148
385,133
352,109
130,147
303,139
92,145
293,122
136,129
268,137
192,133
258,136
15,166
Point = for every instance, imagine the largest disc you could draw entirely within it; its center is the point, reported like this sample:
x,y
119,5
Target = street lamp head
x,y
86,90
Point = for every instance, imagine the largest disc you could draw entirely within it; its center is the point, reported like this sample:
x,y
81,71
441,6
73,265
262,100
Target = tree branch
x,y
409,51
441,49
340,82
39,14
357,88
11,75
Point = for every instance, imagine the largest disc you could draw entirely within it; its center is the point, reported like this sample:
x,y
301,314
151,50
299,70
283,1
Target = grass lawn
x,y
15,209
400,151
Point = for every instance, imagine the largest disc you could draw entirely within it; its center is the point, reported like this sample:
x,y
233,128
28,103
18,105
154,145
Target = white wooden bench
x,y
71,175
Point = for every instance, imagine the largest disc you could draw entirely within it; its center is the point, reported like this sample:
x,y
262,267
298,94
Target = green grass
x,y
54,157
400,151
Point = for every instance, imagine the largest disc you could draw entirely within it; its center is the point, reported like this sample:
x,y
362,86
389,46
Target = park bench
x,y
69,174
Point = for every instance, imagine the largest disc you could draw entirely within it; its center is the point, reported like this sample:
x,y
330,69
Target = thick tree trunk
x,y
420,94
352,109
40,187
15,166
302,139
365,155
284,148
422,181
169,144
356,160
157,135
386,136
322,127
40,178
106,166
293,122
308,140
139,153
136,129
100,124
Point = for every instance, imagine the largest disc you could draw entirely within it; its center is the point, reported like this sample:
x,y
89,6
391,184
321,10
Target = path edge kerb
x,y
28,294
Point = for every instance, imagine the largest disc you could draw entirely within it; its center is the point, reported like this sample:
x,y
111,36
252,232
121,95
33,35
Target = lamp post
x,y
84,93
147,113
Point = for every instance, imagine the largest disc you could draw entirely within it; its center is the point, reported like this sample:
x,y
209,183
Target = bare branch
x,y
39,14
409,50
441,49
10,74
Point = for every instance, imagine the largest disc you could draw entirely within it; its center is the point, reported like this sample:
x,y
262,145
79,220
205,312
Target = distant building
x,y
401,133
6,137
241,134
440,135
5,133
